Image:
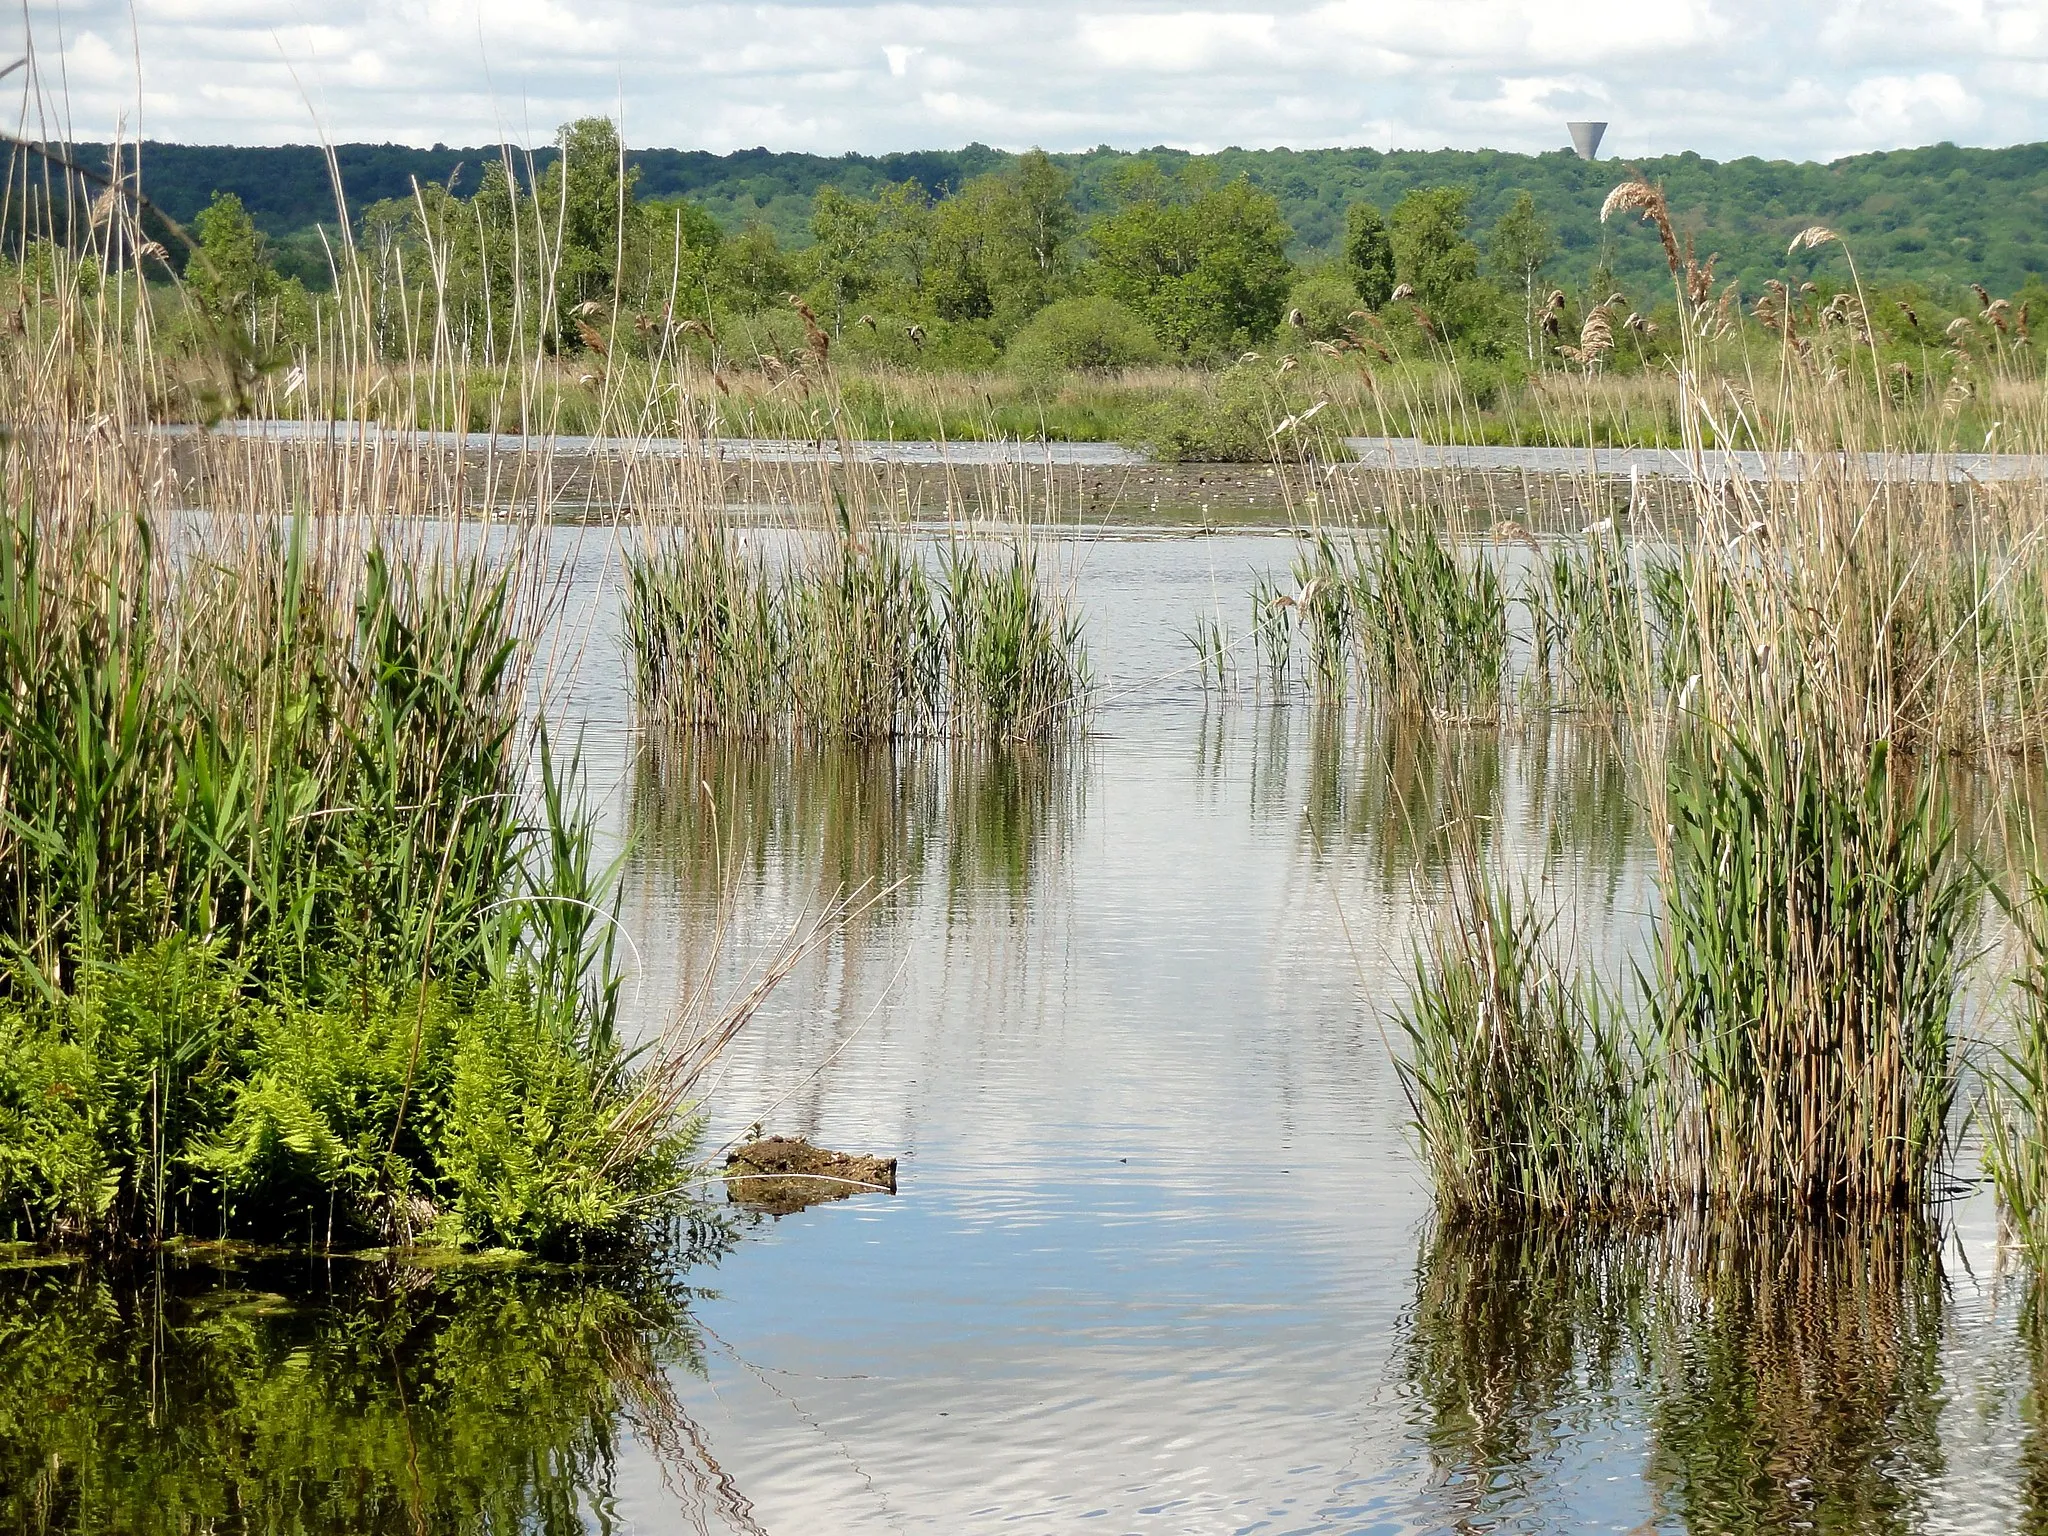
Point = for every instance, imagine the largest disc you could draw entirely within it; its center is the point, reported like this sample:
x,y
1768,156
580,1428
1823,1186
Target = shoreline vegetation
x,y
1797,678
1161,309
304,934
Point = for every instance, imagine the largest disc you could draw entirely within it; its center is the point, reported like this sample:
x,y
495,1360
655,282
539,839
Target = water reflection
x,y
1790,1376
1386,791
295,1394
977,821
1802,1386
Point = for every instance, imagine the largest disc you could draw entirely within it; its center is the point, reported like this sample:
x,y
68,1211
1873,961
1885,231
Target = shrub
x,y
1234,420
1092,332
161,1099
1325,298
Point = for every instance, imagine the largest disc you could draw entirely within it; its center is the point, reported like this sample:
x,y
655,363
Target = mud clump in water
x,y
781,1174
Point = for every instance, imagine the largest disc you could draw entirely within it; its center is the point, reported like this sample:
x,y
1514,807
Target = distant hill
x,y
1940,216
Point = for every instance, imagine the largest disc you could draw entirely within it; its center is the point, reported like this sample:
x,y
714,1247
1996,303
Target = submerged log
x,y
781,1174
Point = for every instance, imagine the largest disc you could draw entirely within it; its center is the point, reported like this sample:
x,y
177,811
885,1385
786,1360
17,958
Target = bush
x,y
161,1098
1093,332
291,941
1234,421
1326,300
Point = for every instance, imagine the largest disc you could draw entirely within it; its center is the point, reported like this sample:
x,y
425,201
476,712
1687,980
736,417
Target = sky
x,y
1790,79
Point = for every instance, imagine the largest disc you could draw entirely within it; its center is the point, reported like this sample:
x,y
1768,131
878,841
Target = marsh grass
x,y
863,636
2016,1107
294,947
304,935
1588,626
1817,922
1416,625
1531,1090
1790,672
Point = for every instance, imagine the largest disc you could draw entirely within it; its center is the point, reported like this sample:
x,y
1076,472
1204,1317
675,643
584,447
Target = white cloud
x,y
1912,107
1781,78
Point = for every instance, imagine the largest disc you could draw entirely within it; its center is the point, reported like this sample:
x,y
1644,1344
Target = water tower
x,y
1586,139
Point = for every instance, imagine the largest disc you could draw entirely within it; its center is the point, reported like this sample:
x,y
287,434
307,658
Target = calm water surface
x,y
1161,1260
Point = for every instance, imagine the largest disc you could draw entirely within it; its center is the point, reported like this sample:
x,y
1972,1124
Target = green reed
x,y
1423,630
1816,923
1530,1091
2016,1117
1790,1048
1432,631
853,637
1587,621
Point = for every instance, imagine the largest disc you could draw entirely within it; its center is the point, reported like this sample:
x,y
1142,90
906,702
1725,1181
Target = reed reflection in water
x,y
1792,1374
299,1394
901,818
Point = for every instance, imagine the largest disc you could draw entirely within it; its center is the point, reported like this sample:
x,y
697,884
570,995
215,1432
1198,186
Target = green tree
x,y
688,266
1000,246
1368,253
586,201
845,254
1431,251
1203,261
231,277
1045,205
1518,250
757,272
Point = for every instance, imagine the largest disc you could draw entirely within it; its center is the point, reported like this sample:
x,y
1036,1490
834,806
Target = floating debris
x,y
781,1174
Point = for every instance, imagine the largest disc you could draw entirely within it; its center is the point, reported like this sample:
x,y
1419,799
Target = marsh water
x,y
1161,1258
1387,453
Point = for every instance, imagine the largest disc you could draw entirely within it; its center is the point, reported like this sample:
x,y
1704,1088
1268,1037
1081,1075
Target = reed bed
x,y
1530,1091
1396,613
1792,671
856,636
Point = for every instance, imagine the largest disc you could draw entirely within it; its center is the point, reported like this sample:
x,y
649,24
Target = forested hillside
x,y
1941,216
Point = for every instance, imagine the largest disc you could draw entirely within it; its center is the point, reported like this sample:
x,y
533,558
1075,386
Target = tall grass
x,y
1816,924
1418,626
1530,1090
856,636
1789,673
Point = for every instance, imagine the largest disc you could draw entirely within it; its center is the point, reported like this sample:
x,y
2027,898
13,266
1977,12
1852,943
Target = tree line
x,y
1940,216
1170,258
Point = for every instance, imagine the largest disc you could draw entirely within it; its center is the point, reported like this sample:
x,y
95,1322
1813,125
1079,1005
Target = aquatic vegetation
x,y
292,948
2016,1107
1531,1091
160,1097
1432,631
1588,624
1423,627
1796,1049
854,636
1816,922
